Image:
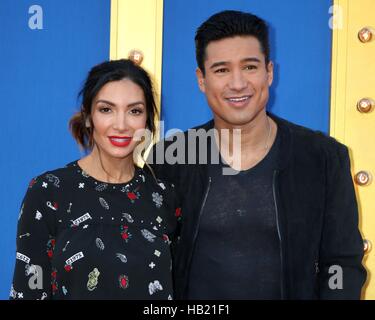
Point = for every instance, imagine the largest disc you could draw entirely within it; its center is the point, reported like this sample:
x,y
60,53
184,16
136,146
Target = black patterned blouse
x,y
79,238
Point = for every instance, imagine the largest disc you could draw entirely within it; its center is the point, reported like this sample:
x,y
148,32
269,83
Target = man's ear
x,y
270,73
200,78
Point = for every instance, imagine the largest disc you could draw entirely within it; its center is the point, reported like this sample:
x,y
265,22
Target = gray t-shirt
x,y
237,252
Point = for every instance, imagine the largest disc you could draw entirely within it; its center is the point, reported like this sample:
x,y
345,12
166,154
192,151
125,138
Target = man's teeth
x,y
238,99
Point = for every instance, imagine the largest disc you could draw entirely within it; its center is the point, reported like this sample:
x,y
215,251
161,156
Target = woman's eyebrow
x,y
135,103
105,101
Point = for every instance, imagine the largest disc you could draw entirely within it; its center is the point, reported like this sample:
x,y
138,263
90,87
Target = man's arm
x,y
341,273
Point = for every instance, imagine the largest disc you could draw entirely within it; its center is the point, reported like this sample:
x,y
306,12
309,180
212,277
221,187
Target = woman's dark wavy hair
x,y
227,24
100,75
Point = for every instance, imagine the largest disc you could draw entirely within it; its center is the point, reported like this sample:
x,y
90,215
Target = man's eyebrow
x,y
218,64
224,63
251,59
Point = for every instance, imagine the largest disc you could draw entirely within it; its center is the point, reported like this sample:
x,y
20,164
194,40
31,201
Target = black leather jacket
x,y
316,208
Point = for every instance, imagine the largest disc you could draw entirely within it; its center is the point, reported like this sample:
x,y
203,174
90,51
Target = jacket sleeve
x,y
35,243
341,273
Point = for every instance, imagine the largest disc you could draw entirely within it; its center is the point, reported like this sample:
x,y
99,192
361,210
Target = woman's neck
x,y
109,169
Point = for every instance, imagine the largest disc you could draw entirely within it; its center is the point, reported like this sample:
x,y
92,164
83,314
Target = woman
x,y
100,228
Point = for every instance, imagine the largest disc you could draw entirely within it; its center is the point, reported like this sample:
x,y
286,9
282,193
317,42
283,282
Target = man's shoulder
x,y
303,139
303,136
299,132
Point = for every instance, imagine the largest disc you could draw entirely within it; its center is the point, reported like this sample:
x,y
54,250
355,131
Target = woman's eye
x,y
136,111
104,109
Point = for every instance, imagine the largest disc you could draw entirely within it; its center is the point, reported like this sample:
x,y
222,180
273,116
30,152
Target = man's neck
x,y
246,144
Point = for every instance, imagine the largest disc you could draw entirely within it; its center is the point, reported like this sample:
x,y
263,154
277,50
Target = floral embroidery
x,y
54,285
178,212
123,281
157,198
133,195
50,247
125,234
74,222
68,267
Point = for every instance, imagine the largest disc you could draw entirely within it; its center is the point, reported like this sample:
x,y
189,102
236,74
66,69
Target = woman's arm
x,y
35,243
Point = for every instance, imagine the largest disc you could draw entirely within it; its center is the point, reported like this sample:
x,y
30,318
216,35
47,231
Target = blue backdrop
x,y
41,73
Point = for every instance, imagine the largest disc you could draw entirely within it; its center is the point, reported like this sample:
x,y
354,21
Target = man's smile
x,y
238,101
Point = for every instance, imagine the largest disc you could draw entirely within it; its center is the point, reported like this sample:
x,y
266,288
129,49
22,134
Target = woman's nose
x,y
120,123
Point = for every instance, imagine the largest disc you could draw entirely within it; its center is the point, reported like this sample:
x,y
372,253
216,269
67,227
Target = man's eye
x,y
222,70
251,67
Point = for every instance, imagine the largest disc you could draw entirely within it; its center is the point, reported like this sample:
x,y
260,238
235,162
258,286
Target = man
x,y
286,225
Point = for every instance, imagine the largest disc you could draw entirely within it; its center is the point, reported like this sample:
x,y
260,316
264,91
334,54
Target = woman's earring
x,y
87,123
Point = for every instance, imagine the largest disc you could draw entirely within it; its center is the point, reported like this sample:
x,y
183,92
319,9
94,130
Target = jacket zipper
x,y
316,267
275,173
197,228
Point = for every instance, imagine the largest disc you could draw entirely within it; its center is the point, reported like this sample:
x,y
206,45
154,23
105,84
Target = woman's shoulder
x,y
54,178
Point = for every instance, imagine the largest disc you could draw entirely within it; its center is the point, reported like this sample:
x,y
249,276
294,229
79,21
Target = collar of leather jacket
x,y
283,129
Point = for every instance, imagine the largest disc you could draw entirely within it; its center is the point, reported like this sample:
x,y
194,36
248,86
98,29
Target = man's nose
x,y
237,82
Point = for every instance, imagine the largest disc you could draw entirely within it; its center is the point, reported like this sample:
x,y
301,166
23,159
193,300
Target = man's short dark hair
x,y
227,24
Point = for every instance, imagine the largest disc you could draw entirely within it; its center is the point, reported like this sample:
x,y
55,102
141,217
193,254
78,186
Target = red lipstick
x,y
120,141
